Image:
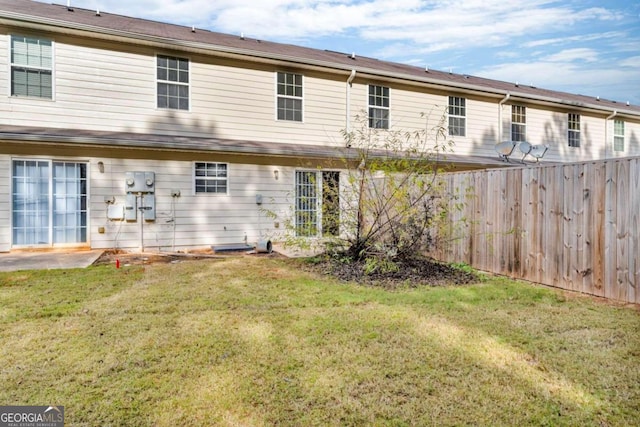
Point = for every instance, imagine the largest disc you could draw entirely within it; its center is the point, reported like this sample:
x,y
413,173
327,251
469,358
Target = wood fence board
x,y
577,227
567,218
527,261
540,221
634,231
588,230
573,226
515,179
493,199
506,219
610,250
481,212
622,222
599,225
555,204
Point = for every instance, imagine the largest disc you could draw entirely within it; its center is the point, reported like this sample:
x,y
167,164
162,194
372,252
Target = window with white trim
x,y
173,82
618,135
212,178
574,129
518,123
378,107
457,116
31,67
289,96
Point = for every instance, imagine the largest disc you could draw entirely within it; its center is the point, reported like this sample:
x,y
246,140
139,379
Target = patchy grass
x,y
254,341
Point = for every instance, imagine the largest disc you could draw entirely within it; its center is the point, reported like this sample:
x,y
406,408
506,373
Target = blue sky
x,y
586,47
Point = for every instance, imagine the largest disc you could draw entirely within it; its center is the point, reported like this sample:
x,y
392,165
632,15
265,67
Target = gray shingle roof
x,y
155,142
177,36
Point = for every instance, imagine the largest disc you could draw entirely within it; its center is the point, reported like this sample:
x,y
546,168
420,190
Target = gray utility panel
x,y
140,187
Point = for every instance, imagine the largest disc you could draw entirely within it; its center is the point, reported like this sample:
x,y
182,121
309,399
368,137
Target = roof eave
x,y
44,23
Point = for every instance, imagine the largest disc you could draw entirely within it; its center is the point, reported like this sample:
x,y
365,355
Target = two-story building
x,y
118,132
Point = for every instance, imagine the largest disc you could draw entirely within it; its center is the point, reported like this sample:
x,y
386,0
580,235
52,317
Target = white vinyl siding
x,y
31,67
193,220
289,97
97,87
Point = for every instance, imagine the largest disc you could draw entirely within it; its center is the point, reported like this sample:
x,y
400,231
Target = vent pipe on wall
x,y
606,133
500,125
348,106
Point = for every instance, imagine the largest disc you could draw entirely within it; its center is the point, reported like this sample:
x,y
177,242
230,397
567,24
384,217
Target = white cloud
x,y
580,38
429,25
633,62
570,55
461,34
607,82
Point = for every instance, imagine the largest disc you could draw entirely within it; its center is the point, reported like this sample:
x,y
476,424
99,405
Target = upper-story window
x,y
378,107
618,135
574,130
289,97
518,123
31,67
457,116
173,82
211,178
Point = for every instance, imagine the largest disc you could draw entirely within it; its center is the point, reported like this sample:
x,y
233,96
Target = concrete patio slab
x,y
46,260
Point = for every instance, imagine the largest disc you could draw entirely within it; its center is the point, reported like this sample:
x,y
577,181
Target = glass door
x,y
69,202
31,202
49,202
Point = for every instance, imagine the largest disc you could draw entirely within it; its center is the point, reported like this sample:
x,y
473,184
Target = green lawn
x,y
253,341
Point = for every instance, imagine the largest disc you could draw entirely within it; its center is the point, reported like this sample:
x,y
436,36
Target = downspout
x,y
500,126
606,132
348,109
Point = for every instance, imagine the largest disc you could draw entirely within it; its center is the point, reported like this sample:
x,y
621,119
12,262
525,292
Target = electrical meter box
x,y
140,182
149,207
131,207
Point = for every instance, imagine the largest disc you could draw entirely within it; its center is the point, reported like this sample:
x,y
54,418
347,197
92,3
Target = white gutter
x,y
606,132
348,101
500,125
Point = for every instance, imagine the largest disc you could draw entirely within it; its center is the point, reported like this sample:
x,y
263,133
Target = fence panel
x,y
572,226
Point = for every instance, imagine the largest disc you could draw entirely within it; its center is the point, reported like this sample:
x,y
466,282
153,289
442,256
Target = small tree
x,y
389,199
393,199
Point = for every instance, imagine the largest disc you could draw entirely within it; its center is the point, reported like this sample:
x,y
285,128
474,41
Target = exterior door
x,y
49,203
317,203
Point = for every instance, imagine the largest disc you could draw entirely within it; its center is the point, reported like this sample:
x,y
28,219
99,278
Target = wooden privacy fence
x,y
572,226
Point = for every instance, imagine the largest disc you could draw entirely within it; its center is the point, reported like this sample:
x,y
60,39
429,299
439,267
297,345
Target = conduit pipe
x,y
348,109
606,133
500,125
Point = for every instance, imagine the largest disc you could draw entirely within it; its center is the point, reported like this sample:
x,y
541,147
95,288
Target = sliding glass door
x,y
49,203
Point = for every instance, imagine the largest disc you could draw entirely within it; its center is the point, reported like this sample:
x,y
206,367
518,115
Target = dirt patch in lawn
x,y
409,272
130,258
